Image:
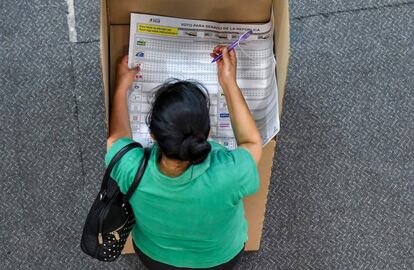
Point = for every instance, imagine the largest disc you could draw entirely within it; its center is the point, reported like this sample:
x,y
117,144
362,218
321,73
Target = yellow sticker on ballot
x,y
157,30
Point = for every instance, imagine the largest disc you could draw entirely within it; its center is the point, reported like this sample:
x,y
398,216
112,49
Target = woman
x,y
188,207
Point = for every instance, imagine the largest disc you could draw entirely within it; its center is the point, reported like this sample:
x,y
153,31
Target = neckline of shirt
x,y
191,173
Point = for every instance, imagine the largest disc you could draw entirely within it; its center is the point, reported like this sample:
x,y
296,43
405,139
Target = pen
x,y
234,44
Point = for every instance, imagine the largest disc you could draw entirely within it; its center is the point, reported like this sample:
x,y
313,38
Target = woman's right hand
x,y
125,76
226,66
244,127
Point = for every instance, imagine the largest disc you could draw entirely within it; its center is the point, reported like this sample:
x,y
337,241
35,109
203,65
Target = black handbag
x,y
110,219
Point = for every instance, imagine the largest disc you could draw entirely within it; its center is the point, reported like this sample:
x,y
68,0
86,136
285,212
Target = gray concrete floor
x,y
342,186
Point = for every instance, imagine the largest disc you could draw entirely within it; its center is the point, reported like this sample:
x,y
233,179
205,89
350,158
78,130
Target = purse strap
x,y
138,176
113,162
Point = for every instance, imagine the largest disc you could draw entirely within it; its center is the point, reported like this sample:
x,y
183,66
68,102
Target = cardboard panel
x,y
104,53
118,43
213,10
255,206
128,249
282,45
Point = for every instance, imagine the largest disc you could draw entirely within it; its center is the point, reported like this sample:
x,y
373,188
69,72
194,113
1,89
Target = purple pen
x,y
234,44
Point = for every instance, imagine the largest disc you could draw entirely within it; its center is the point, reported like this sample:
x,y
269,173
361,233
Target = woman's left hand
x,y
125,76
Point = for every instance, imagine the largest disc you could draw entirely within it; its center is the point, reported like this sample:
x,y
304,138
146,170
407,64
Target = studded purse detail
x,y
110,219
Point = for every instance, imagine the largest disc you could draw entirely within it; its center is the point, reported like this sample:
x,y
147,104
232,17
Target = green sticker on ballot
x,y
141,42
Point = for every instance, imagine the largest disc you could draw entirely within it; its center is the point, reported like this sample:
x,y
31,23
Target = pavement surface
x,y
342,189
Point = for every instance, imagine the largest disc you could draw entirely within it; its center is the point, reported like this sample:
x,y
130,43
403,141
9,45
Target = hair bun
x,y
195,148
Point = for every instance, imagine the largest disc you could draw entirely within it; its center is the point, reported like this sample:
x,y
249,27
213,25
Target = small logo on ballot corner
x,y
155,20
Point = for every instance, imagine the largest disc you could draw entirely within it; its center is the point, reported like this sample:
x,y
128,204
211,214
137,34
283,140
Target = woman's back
x,y
193,220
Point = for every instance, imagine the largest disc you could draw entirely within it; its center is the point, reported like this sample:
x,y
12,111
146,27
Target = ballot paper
x,y
165,47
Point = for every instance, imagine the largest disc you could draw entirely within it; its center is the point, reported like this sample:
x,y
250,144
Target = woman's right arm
x,y
119,119
244,127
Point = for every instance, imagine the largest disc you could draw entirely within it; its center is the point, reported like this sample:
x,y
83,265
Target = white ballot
x,y
166,47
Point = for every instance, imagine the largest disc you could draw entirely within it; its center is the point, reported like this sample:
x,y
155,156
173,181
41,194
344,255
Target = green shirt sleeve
x,y
246,173
126,168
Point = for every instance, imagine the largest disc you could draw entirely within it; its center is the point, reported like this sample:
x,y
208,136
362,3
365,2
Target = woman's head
x,y
179,120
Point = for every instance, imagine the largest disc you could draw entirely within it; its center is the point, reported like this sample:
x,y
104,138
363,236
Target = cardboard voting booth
x,y
114,39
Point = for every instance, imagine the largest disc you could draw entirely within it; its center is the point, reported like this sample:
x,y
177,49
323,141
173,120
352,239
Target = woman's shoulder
x,y
239,165
133,154
218,152
223,156
126,168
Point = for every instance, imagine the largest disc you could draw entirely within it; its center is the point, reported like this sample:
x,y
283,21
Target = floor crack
x,y
76,115
86,41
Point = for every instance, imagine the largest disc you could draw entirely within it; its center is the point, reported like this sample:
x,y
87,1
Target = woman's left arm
x,y
119,126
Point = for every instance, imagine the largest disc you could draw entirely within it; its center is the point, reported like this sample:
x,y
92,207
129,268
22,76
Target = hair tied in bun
x,y
195,148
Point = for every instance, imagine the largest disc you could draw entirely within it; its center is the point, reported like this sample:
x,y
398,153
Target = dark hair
x,y
179,120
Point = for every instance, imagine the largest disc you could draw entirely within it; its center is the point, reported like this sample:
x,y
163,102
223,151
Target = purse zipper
x,y
114,233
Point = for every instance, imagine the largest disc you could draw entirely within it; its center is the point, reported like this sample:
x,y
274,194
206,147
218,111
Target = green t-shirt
x,y
193,220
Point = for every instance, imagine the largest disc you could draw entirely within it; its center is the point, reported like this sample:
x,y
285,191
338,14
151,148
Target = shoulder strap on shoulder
x,y
114,160
140,173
